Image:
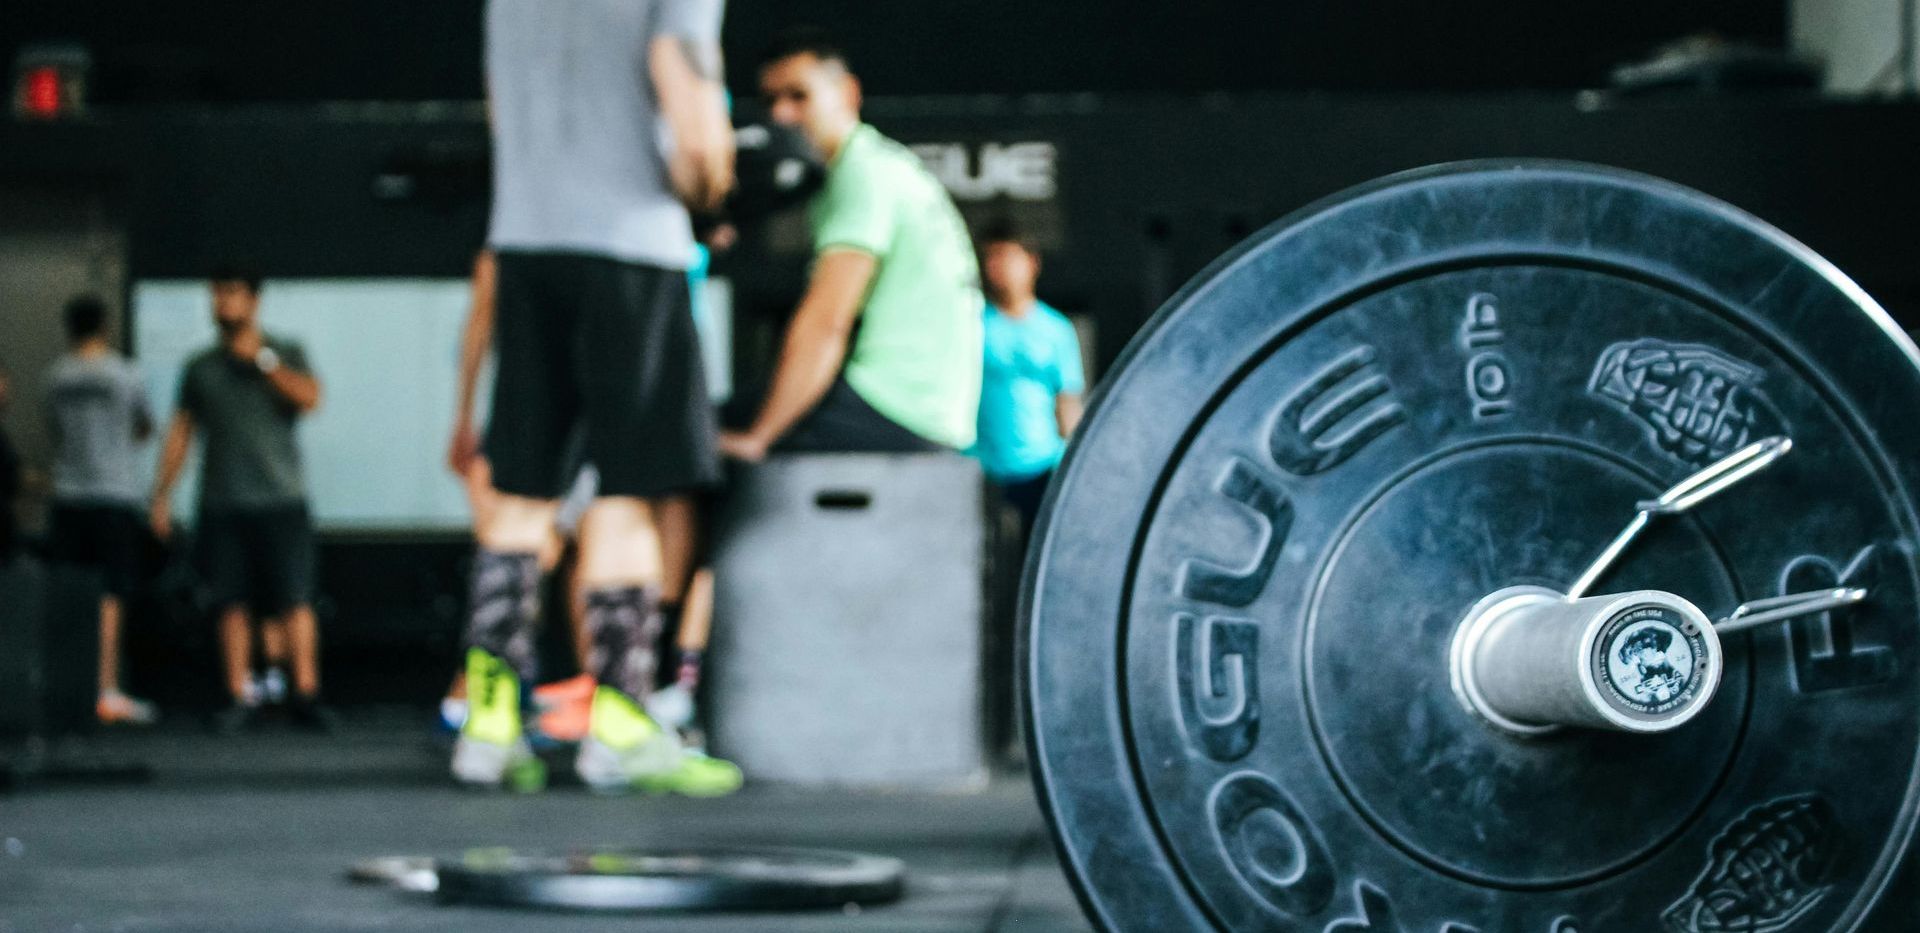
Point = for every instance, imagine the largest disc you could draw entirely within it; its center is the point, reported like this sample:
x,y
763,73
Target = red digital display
x,y
40,92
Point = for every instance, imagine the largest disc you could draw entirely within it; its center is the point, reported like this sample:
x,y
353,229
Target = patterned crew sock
x,y
624,624
505,608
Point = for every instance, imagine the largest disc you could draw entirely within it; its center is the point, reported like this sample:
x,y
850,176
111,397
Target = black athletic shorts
x,y
1025,496
843,422
607,350
258,558
106,537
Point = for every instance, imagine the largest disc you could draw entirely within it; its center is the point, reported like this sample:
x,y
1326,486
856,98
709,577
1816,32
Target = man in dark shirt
x,y
255,536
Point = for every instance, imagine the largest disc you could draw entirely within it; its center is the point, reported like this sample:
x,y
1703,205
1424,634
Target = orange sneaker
x,y
564,692
565,708
567,721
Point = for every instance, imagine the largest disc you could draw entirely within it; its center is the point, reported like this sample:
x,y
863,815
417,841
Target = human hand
x,y
743,445
246,344
463,449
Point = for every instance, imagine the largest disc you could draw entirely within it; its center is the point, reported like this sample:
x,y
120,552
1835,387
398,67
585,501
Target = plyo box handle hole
x,y
842,500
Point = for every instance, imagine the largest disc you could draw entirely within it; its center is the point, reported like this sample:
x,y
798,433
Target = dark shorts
x,y
607,351
261,559
106,537
1025,496
843,422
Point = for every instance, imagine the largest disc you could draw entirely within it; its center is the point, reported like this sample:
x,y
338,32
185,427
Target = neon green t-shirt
x,y
917,356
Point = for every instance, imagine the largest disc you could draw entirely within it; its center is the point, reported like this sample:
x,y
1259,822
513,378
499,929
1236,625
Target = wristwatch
x,y
266,360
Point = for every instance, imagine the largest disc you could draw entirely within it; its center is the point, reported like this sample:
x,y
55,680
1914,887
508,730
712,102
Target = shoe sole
x,y
523,775
659,787
526,778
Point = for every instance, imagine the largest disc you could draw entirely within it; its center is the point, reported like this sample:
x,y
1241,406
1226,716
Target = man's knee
x,y
518,525
619,543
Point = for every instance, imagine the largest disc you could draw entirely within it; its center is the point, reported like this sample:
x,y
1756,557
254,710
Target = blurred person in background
x,y
1031,382
243,397
10,474
892,256
594,338
98,417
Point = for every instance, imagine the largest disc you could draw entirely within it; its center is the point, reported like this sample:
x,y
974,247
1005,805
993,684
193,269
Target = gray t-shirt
x,y
249,459
97,412
578,142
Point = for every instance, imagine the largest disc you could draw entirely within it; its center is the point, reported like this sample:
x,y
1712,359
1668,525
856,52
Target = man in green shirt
x,y
891,253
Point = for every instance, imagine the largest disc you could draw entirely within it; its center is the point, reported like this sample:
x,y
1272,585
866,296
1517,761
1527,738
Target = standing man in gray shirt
x,y
98,416
255,535
609,121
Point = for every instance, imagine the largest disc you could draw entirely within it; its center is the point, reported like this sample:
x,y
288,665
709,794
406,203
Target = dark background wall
x,y
1200,122
303,50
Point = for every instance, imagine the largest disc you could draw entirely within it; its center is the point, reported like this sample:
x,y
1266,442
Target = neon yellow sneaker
x,y
625,750
492,750
697,775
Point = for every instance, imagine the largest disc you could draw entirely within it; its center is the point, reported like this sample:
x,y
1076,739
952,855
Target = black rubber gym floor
x,y
256,833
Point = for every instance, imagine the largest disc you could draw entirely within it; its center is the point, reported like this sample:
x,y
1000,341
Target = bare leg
x,y
696,624
481,497
619,545
274,640
109,644
236,650
517,525
302,635
696,614
679,542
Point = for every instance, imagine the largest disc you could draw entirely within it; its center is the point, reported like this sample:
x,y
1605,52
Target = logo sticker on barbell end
x,y
1765,871
1698,404
1650,660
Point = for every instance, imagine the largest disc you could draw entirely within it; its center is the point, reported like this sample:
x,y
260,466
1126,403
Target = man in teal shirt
x,y
892,254
1031,377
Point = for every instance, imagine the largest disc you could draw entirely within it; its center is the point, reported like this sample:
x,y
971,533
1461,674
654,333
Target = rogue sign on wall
x,y
1021,171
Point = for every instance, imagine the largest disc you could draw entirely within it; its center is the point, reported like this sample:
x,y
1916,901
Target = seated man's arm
x,y
816,345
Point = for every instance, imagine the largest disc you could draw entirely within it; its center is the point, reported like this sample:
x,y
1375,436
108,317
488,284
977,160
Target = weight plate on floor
x,y
414,873
634,879
1323,452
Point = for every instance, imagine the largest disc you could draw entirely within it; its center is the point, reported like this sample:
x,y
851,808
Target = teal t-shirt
x,y
916,359
1029,362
